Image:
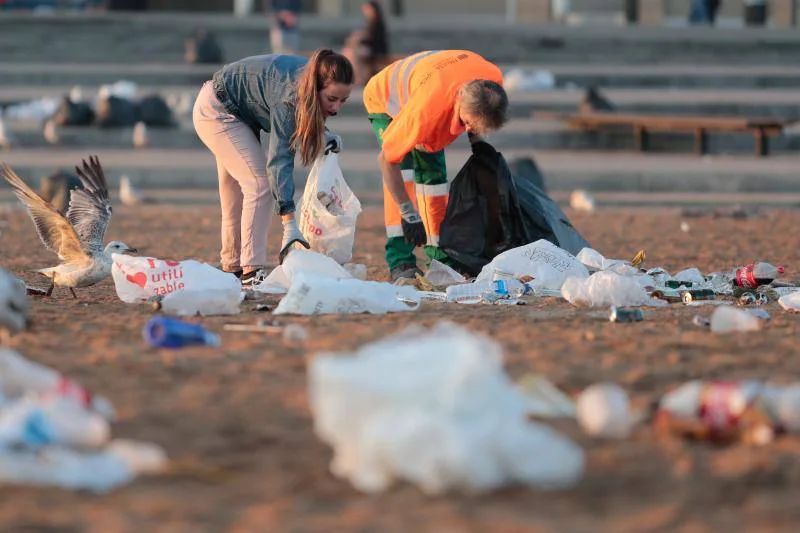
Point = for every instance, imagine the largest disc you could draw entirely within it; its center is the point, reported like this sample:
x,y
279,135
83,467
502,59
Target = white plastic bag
x,y
329,230
307,261
139,278
442,275
437,409
606,288
790,301
548,264
314,295
594,260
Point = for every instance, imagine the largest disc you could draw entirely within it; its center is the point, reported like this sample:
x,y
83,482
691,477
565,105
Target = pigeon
x,y
77,238
128,194
13,305
140,139
50,132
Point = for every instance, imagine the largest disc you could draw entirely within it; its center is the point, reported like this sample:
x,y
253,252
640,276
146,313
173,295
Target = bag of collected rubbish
x,y
137,279
328,210
154,111
605,288
116,112
525,168
546,263
307,261
203,48
434,408
490,211
71,113
310,294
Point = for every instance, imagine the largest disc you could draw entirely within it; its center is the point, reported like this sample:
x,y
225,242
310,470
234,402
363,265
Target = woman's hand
x,y
333,142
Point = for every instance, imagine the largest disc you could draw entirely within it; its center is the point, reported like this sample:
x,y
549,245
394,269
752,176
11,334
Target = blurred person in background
x,y
290,98
284,29
417,106
368,48
703,12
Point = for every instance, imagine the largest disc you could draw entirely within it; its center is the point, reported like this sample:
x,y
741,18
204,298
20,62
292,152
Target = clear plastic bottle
x,y
469,293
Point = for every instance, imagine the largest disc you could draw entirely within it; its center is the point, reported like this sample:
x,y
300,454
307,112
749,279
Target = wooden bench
x,y
642,125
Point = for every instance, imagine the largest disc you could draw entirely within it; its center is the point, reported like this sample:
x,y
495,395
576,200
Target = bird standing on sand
x,y
77,238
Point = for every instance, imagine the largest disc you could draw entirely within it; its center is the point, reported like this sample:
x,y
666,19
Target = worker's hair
x,y
324,67
487,101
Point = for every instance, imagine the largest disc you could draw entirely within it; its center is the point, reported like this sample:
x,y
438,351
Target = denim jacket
x,y
262,92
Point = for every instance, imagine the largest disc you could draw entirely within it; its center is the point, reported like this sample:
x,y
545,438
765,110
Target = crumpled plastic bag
x,y
548,264
790,302
434,408
138,279
692,275
307,261
442,275
594,260
310,294
605,288
98,471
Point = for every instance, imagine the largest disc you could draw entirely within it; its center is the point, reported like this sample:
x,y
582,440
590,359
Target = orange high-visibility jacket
x,y
419,93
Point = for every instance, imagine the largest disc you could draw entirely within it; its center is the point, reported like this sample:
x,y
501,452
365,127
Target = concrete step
x,y
357,135
17,80
143,37
564,170
779,103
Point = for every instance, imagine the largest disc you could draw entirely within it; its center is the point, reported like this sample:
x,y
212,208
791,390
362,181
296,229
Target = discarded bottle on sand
x,y
621,314
489,291
728,319
603,410
755,275
729,411
163,332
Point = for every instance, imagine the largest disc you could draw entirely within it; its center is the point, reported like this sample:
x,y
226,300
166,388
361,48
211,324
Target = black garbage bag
x,y
116,112
490,211
56,189
154,111
69,113
525,168
203,48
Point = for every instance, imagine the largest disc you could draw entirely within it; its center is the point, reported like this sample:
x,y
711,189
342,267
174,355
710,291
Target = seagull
x,y
77,238
13,305
128,194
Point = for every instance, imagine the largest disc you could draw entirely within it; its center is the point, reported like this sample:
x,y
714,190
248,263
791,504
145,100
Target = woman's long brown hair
x,y
324,67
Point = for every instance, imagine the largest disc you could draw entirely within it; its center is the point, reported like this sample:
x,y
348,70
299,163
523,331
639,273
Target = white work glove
x,y
413,228
291,236
333,142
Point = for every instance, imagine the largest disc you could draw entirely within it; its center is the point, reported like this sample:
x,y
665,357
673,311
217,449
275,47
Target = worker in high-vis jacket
x,y
417,106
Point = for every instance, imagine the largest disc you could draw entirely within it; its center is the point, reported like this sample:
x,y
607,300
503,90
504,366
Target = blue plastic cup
x,y
163,332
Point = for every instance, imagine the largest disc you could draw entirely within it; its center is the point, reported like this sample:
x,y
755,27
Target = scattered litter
x,y
434,408
728,319
442,275
685,227
701,321
314,295
433,296
301,261
163,332
357,270
55,433
262,308
545,399
254,328
729,411
594,260
622,315
207,302
606,288
604,411
761,314
547,264
790,302
137,279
